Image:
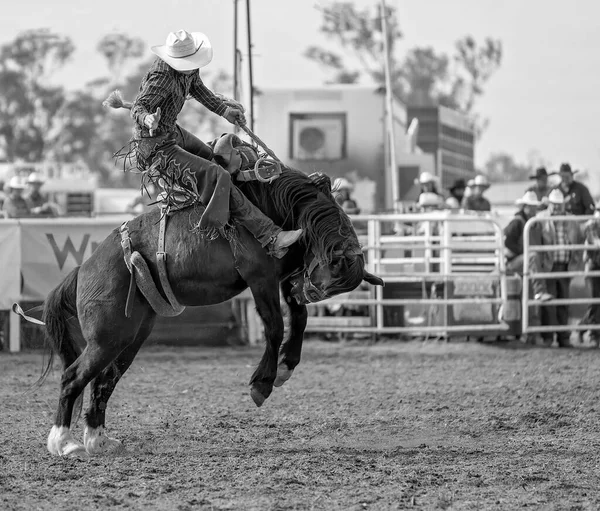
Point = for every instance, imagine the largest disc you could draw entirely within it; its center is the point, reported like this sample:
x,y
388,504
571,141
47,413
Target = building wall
x,y
364,161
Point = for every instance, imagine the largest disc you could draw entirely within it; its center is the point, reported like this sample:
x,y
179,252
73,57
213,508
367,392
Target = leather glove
x,y
234,115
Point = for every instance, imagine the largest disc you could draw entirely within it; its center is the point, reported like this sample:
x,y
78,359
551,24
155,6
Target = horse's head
x,y
334,262
319,280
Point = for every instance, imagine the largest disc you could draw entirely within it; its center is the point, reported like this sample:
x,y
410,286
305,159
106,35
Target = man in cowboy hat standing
x,y
36,200
555,232
476,201
15,206
540,188
457,194
513,232
183,160
578,199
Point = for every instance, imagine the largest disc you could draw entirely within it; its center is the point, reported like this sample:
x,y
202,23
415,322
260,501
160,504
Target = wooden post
x,y
393,166
250,73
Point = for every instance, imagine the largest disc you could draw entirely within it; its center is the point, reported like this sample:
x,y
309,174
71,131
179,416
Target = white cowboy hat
x,y
341,183
16,182
185,51
529,199
429,199
481,181
556,197
36,177
426,177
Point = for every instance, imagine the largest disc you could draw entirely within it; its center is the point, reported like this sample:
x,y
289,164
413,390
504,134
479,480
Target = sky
x,y
544,98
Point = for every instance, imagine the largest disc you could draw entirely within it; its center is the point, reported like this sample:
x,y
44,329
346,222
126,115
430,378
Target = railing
x,y
466,262
529,275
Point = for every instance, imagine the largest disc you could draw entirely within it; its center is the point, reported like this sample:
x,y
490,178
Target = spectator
x,y
541,187
476,201
37,201
578,200
428,184
15,206
592,263
430,201
513,232
457,194
555,233
342,189
2,194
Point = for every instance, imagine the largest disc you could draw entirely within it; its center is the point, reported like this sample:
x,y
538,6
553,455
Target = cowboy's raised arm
x,y
154,89
208,98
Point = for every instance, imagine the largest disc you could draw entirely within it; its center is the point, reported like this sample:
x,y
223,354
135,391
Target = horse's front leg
x,y
266,299
291,350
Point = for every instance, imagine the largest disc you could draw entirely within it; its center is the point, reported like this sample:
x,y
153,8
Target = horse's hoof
x,y
62,443
96,442
284,373
257,397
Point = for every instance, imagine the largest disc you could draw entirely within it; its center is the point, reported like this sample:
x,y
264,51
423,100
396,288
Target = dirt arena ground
x,y
389,426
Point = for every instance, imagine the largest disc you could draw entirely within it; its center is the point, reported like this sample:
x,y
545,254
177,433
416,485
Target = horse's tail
x,y
59,307
115,100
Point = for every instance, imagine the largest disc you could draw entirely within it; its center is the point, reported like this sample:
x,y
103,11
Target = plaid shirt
x,y
168,89
561,255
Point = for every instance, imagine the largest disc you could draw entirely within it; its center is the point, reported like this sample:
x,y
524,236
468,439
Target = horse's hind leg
x,y
74,380
292,348
94,437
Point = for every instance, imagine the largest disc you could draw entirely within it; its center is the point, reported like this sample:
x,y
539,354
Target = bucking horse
x,y
102,302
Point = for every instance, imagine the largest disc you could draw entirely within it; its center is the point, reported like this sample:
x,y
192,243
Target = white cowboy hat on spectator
x,y
16,182
426,177
185,51
341,183
481,181
556,197
529,199
36,177
430,199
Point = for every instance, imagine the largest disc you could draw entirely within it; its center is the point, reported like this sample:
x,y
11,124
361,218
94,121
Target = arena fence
x,y
444,275
530,274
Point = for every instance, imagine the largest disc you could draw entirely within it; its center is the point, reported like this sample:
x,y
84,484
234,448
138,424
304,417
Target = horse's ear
x,y
374,280
322,182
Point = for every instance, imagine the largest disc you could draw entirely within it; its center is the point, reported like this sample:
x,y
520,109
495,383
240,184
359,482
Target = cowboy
x,y
428,183
15,206
181,159
342,189
476,201
555,232
457,194
578,200
513,232
591,232
36,200
540,188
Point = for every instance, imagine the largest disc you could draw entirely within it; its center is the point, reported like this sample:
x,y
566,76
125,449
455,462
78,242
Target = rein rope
x,y
258,141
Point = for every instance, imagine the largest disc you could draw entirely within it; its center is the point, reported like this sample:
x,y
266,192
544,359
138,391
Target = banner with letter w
x,y
51,248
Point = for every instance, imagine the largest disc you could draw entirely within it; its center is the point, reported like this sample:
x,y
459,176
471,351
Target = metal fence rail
x,y
529,275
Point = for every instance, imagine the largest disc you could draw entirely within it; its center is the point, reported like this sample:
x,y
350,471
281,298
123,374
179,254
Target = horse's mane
x,y
295,200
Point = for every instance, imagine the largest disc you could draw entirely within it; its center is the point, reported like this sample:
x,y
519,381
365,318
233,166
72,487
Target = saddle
x,y
254,166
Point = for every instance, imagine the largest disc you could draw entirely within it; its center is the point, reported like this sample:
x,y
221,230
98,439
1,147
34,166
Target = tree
x,y
502,167
120,49
28,104
422,76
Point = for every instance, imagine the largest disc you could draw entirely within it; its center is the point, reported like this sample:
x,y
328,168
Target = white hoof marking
x,y
96,441
284,373
62,443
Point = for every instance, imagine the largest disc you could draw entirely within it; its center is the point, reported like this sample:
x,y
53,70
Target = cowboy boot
x,y
279,244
